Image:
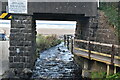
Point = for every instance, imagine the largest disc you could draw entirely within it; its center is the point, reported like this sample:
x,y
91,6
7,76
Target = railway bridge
x,y
87,43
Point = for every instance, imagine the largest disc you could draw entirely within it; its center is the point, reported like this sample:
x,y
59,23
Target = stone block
x,y
16,65
12,53
27,53
12,48
11,59
27,59
27,43
19,59
27,65
14,30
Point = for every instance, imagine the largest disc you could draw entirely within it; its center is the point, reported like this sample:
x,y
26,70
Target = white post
x,y
98,3
115,70
108,69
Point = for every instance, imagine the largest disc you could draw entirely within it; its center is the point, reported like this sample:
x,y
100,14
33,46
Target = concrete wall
x,y
86,8
0,7
4,56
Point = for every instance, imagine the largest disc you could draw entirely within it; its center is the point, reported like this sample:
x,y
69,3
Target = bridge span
x,y
91,42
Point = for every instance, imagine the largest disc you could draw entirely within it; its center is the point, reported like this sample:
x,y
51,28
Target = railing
x,y
68,42
112,56
97,43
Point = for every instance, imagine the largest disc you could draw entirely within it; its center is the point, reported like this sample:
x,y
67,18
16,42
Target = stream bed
x,y
56,63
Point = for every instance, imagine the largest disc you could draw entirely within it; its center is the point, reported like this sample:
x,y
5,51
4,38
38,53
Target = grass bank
x,y
103,76
46,42
111,11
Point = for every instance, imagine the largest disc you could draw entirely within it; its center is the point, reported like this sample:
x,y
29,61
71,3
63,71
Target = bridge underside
x,y
23,37
59,16
23,28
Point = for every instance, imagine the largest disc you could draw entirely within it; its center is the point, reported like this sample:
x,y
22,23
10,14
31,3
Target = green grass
x,y
46,42
113,76
98,75
103,76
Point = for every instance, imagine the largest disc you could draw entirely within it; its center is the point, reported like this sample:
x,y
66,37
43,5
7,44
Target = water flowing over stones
x,y
56,63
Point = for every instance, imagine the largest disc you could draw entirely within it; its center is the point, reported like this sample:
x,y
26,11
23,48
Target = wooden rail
x,y
109,59
112,56
94,59
102,44
97,43
98,53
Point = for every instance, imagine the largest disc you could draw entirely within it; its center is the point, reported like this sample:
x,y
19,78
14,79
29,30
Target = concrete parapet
x,y
4,56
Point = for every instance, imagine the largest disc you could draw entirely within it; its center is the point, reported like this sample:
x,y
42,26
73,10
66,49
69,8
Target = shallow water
x,y
56,63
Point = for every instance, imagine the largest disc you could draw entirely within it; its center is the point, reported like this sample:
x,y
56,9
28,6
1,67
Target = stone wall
x,y
22,43
98,30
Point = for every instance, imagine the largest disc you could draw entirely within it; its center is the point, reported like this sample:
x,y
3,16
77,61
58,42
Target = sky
x,y
47,27
46,24
56,24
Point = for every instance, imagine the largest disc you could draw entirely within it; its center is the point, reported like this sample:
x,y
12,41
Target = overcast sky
x,y
46,24
56,24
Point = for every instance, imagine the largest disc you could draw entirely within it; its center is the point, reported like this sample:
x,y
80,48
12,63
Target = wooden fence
x,y
112,55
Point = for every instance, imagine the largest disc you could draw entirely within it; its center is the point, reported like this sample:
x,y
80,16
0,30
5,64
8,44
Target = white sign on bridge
x,y
17,6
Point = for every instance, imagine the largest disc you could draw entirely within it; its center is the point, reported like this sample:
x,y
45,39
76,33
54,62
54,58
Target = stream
x,y
56,63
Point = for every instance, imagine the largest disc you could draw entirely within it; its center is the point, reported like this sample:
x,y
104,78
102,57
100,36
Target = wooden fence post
x,y
112,55
65,40
115,70
68,42
108,69
89,50
71,45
